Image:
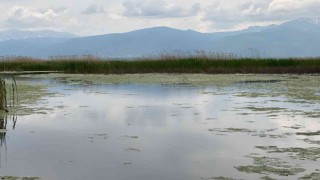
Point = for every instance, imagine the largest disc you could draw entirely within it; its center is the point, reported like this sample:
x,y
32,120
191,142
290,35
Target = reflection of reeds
x,y
4,106
3,127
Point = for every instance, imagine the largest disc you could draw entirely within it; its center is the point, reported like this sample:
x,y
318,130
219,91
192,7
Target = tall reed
x,y
4,96
201,63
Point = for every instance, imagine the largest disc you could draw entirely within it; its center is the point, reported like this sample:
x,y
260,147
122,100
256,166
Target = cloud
x,y
229,14
23,17
158,9
201,15
294,8
291,5
94,9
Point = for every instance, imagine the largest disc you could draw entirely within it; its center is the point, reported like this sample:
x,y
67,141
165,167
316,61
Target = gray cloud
x,y
158,8
94,9
22,17
125,15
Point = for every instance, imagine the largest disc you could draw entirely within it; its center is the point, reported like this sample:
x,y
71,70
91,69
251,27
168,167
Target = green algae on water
x,y
30,95
311,153
130,137
233,130
220,178
18,178
311,141
316,133
295,87
133,149
267,178
312,176
267,165
269,170
267,133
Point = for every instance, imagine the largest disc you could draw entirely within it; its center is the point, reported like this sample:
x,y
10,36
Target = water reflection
x,y
3,134
122,131
3,127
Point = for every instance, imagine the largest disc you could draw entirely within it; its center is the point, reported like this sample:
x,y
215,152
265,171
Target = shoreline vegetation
x,y
167,64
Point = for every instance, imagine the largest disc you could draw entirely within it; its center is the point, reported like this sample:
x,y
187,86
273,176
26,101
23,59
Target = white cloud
x,y
290,5
22,17
124,15
158,9
229,14
294,8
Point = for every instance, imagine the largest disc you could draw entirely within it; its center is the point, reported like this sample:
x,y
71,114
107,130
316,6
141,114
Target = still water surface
x,y
153,131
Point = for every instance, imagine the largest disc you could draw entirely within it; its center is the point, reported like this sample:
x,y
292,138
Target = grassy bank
x,y
180,65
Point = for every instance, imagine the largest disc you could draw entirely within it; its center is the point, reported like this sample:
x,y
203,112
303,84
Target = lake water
x,y
155,131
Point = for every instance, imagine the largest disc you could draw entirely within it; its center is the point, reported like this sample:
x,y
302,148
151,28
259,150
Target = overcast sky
x,y
89,17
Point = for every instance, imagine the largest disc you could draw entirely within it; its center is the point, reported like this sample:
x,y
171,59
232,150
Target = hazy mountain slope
x,y
136,43
35,47
298,38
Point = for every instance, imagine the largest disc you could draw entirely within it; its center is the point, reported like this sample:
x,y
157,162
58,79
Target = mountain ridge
x,y
296,38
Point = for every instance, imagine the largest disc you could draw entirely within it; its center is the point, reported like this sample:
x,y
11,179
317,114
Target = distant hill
x,y
296,38
30,43
136,43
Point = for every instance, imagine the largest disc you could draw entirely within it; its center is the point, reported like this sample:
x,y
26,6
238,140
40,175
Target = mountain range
x,y
295,38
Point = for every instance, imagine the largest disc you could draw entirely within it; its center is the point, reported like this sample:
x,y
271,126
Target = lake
x,y
154,126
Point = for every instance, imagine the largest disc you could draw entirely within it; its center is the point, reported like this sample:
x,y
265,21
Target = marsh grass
x,y
219,64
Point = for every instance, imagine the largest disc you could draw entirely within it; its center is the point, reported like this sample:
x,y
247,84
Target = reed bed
x,y
163,64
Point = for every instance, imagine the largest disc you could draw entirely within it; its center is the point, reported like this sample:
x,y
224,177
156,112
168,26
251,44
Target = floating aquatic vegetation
x,y
210,119
155,78
30,96
312,176
265,109
296,126
311,141
18,178
269,170
316,133
219,178
267,178
311,153
233,130
267,165
260,81
61,106
131,137
133,149
313,114
93,137
300,88
261,133
251,94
